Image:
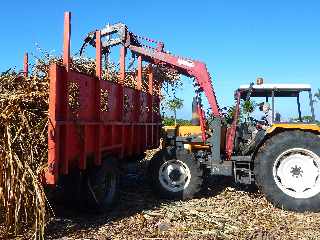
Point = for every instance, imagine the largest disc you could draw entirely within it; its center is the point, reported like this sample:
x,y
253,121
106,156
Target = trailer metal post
x,y
56,133
66,40
53,129
26,65
84,147
150,84
138,102
64,91
122,77
64,83
98,55
150,90
98,128
139,77
123,52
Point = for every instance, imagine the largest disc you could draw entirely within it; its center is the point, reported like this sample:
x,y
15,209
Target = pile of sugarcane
x,y
23,141
23,150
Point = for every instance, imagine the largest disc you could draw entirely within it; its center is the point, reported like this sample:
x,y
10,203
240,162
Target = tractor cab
x,y
284,109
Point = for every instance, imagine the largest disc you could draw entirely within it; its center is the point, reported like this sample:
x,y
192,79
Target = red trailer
x,y
94,124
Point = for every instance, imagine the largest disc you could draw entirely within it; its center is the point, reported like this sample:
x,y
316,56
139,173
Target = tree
x,y
174,104
228,114
169,121
307,119
247,108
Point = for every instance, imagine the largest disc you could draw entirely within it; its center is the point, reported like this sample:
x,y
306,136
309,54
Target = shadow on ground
x,y
136,196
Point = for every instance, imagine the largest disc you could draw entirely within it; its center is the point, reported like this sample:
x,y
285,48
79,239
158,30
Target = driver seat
x,y
254,142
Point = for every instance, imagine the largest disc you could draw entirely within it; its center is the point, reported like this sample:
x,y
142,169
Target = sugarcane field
x,y
160,120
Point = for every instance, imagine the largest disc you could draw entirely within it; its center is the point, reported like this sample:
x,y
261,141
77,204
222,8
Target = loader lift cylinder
x,y
195,115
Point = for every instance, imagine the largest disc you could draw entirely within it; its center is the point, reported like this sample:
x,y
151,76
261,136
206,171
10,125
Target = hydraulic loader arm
x,y
118,34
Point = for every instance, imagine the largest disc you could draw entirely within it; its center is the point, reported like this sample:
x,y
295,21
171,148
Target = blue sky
x,y
238,40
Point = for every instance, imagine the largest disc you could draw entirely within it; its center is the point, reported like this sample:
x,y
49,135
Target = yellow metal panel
x,y
169,127
195,146
302,126
200,146
185,131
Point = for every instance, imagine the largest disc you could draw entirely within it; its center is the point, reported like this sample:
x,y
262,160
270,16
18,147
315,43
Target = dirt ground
x,y
223,211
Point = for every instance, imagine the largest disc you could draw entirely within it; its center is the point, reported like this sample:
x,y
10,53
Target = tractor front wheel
x,y
175,177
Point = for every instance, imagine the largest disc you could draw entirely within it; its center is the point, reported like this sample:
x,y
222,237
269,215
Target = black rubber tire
x,y
195,169
101,186
68,191
263,168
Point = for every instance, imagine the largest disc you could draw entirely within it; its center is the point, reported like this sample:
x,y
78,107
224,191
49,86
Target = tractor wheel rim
x,y
297,173
174,175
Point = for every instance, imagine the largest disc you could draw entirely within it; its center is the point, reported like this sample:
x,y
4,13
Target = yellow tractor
x,y
281,157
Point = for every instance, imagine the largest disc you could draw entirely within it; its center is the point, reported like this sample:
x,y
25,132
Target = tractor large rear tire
x,y
287,170
175,178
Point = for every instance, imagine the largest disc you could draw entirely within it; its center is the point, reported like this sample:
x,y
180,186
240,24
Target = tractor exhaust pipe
x,y
195,121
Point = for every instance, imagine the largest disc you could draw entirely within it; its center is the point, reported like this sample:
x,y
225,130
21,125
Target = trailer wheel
x,y
102,185
287,169
175,178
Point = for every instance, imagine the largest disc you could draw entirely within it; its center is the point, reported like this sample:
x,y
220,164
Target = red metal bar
x,y
139,88
139,77
25,65
84,147
97,158
146,136
111,147
202,123
132,140
56,112
122,64
63,140
121,99
150,98
113,134
66,61
66,40
231,133
98,55
150,90
123,141
150,84
97,154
